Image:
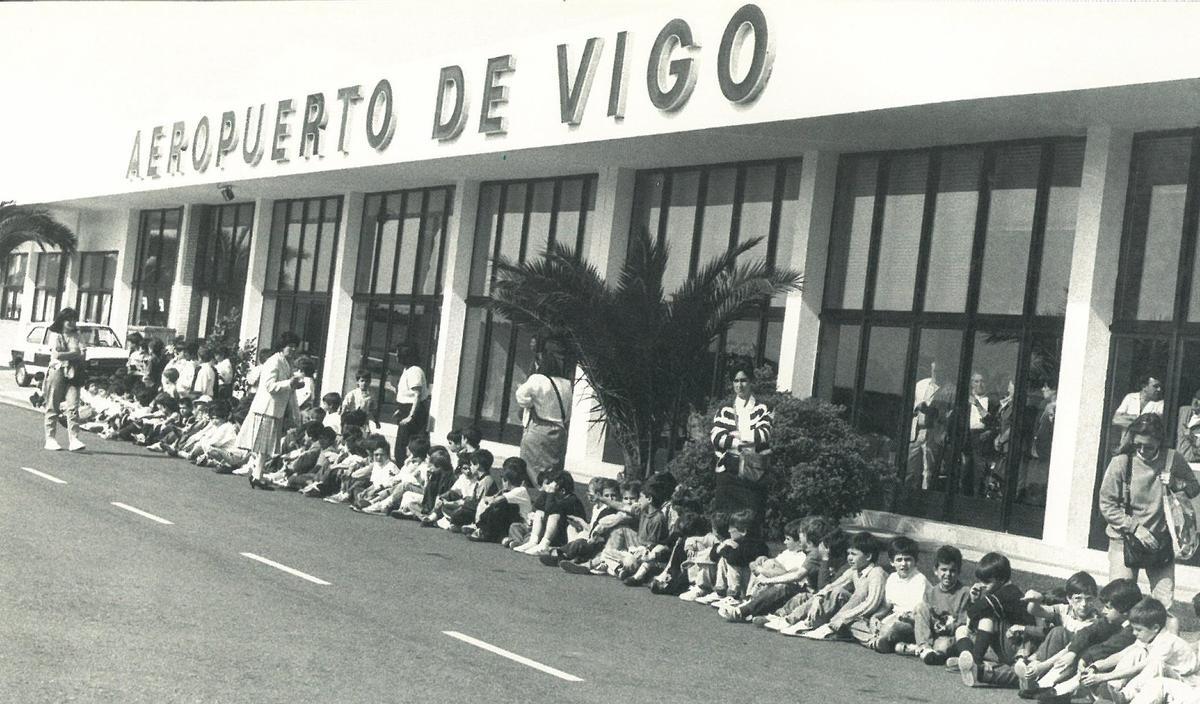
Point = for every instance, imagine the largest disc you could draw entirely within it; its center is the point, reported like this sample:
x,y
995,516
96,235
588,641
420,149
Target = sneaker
x,y
571,567
241,471
929,656
693,593
729,601
906,648
600,571
708,598
775,623
156,447
967,669
339,498
760,621
798,628
732,614
444,523
507,542
52,445
1023,670
951,664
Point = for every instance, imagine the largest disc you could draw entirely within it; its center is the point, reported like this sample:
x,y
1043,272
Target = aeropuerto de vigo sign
x,y
669,62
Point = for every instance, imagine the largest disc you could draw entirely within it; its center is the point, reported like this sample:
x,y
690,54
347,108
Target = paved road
x,y
99,604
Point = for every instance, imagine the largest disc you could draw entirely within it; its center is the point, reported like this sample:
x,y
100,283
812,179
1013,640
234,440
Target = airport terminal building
x,y
987,210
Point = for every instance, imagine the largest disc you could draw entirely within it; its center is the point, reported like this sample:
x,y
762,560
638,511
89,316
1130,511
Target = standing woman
x,y
1131,502
412,399
546,398
741,436
273,405
64,376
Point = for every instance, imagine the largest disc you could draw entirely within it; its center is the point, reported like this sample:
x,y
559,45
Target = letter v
x,y
572,99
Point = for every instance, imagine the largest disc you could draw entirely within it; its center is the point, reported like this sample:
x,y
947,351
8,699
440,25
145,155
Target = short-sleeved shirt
x,y
1131,405
412,386
519,497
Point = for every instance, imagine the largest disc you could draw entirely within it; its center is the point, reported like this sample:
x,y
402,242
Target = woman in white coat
x,y
274,403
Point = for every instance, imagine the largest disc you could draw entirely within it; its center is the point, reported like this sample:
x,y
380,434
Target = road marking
x,y
513,656
285,568
43,475
142,513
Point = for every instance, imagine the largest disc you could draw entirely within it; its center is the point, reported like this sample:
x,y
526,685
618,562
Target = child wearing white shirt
x,y
903,591
496,513
1157,653
411,480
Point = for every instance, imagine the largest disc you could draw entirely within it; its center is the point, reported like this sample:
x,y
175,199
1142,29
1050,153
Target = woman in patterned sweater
x,y
741,437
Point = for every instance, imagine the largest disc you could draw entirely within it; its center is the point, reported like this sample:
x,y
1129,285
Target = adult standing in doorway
x,y
1131,502
1147,399
412,399
926,435
64,376
741,436
983,424
546,399
274,405
1187,435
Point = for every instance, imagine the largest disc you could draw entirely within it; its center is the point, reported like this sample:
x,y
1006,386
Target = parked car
x,y
103,354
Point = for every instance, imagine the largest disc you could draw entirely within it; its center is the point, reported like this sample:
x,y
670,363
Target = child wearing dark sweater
x,y
995,604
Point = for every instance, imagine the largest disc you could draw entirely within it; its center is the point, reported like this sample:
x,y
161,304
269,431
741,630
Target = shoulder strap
x,y
561,408
1128,482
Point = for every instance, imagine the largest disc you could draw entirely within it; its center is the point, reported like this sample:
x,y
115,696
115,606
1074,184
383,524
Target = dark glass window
x,y
517,220
300,261
154,268
1156,326
14,285
97,275
222,262
48,279
398,285
953,359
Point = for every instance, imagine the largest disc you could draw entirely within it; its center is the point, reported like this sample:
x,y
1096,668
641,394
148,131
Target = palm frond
x,y
21,224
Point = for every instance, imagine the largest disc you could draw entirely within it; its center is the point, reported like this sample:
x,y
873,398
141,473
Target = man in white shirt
x,y
982,423
1149,399
924,449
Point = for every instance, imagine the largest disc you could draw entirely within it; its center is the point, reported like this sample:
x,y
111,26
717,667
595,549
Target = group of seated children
x,y
825,584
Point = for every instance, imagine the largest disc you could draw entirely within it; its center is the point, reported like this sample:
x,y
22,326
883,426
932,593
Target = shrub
x,y
819,464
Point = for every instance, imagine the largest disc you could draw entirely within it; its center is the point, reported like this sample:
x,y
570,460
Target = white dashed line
x,y
285,568
513,656
43,475
142,513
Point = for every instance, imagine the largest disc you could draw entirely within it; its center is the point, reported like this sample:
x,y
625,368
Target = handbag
x,y
1181,520
1137,555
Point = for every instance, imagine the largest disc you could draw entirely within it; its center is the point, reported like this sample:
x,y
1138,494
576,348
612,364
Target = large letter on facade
x,y
152,161
227,140
494,95
381,99
134,170
315,120
348,96
573,98
283,131
200,157
675,32
178,144
444,130
749,19
253,155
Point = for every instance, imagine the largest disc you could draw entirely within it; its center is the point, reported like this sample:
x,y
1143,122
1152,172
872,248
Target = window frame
x,y
12,293
43,289
949,505
222,287
93,293
163,282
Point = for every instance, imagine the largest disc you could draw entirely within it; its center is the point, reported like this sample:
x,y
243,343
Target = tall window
x,y
48,285
14,285
154,266
222,262
942,327
1156,325
300,269
97,274
517,220
398,286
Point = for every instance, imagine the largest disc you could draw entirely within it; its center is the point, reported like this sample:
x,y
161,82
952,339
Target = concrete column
x,y
607,243
460,237
802,315
341,305
122,300
1079,420
256,272
184,310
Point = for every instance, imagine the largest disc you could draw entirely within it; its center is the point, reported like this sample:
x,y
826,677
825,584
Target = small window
x,y
37,335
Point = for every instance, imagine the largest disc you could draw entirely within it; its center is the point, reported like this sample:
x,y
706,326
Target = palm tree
x,y
643,352
20,224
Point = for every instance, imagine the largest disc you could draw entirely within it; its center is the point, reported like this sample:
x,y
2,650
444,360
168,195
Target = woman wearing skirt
x,y
274,402
546,398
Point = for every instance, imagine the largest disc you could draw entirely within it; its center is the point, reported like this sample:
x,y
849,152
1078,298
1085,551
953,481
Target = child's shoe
x,y
967,669
708,598
507,542
951,664
52,444
906,649
732,614
574,567
798,628
729,601
693,593
601,571
241,471
156,447
929,656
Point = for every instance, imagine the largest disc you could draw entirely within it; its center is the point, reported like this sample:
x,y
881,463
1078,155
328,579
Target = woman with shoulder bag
x,y
273,407
64,378
1131,502
741,438
546,398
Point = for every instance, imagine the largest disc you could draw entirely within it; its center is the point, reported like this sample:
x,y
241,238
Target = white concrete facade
x,y
991,102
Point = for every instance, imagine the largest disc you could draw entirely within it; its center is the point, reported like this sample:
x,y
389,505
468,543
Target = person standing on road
x,y
412,399
273,405
1131,502
741,436
64,376
546,398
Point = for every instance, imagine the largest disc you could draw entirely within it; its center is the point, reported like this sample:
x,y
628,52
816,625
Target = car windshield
x,y
98,337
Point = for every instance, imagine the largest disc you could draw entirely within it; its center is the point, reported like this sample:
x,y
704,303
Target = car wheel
x,y
22,378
